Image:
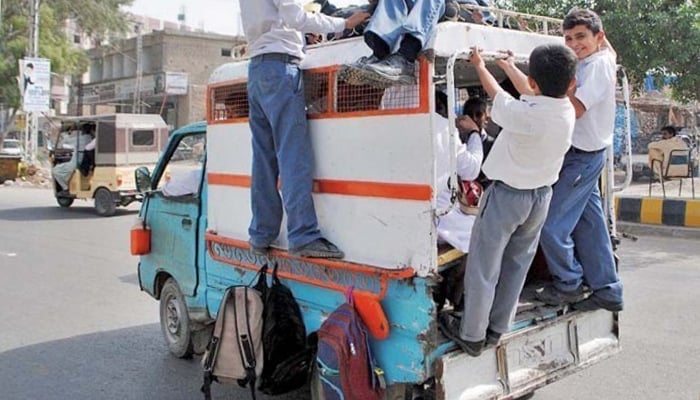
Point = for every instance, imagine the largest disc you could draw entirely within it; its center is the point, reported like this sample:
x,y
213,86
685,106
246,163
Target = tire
x,y
64,202
393,392
104,203
175,320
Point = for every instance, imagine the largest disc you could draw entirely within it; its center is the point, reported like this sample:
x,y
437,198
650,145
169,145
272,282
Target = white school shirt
x,y
277,26
455,227
595,88
536,135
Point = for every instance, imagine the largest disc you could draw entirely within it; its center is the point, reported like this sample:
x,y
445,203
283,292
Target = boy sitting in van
x,y
523,164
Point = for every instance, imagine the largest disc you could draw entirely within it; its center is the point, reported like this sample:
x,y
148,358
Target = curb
x,y
658,211
631,230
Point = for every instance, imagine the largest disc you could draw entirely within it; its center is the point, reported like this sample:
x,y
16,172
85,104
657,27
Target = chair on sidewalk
x,y
680,166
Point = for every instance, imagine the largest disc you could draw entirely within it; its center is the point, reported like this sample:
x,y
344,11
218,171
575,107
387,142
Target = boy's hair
x,y
578,16
552,67
474,107
670,129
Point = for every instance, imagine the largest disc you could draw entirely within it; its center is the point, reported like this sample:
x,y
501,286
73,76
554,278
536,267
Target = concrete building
x,y
175,67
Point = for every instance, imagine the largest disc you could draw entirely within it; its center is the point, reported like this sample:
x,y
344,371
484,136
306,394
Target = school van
x,y
375,196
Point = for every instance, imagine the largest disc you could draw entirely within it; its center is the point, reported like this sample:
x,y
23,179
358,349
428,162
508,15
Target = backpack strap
x,y
245,348
275,278
213,349
261,285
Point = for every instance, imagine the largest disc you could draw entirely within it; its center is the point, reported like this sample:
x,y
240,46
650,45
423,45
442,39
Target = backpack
x,y
287,356
469,196
235,351
346,369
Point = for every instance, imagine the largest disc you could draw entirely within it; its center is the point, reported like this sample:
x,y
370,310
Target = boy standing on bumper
x,y
523,164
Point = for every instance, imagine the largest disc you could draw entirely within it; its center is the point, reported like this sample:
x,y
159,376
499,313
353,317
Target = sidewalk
x,y
635,205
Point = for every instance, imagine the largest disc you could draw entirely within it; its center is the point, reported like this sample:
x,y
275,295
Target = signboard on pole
x,y
35,84
176,83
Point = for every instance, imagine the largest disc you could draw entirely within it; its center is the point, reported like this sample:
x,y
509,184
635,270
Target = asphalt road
x,y
74,325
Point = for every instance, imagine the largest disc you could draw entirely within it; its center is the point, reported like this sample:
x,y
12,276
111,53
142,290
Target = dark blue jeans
x,y
281,149
575,237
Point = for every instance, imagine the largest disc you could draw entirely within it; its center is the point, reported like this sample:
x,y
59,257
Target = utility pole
x,y
139,70
33,119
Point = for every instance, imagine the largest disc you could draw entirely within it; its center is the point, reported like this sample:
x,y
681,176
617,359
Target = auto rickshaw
x,y
94,157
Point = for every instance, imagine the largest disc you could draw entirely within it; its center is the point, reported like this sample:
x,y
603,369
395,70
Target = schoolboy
x,y
523,164
575,237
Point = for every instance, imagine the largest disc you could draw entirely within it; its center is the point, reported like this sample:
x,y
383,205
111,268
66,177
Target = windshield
x,y
11,145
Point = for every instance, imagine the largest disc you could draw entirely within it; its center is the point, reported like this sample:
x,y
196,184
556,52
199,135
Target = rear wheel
x,y
175,321
104,203
64,202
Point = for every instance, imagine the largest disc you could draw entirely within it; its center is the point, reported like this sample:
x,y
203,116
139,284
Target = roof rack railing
x,y
522,21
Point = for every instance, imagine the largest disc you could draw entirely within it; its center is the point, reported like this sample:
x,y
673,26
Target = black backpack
x,y
287,353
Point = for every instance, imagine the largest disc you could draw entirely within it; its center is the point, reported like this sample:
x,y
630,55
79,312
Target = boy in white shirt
x,y
523,164
575,238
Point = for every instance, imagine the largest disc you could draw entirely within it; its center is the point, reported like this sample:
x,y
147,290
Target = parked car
x,y
11,147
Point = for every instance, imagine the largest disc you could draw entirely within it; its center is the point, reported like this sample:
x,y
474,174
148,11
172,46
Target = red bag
x,y
469,196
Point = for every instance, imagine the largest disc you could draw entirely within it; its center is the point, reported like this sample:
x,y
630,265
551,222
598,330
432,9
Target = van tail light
x,y
140,239
119,180
372,314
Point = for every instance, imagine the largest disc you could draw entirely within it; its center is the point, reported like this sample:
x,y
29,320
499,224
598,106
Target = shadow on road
x,y
125,364
56,213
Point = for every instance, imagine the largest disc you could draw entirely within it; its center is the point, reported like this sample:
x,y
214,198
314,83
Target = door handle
x,y
186,223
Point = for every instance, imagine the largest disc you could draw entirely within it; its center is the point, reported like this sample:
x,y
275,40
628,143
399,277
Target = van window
x,y
229,102
185,167
142,138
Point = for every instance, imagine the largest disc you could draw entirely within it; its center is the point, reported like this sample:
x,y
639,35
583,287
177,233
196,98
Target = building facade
x,y
162,72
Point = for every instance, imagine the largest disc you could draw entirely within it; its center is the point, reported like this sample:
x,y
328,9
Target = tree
x,y
97,18
661,37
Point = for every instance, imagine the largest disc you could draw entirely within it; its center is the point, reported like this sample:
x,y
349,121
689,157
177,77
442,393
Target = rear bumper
x,y
530,358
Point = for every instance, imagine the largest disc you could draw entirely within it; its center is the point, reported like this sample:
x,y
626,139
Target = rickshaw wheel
x,y
175,321
64,202
104,203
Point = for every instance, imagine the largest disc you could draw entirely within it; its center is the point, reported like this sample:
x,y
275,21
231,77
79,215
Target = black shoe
x,y
449,326
555,297
259,251
593,302
319,248
492,337
394,69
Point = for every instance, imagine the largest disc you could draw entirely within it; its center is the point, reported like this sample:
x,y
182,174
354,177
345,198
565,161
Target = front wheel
x,y
64,202
175,321
104,203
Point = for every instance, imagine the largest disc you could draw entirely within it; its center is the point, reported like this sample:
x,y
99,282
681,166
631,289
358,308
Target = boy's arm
x,y
487,80
515,75
578,105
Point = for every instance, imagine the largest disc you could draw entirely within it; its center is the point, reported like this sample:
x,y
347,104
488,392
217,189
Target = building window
x,y
142,138
225,52
76,39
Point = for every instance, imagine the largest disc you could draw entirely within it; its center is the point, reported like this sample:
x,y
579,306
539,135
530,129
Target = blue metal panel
x,y
408,305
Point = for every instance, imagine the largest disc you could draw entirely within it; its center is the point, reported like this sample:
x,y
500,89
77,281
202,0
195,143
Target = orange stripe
x,y
228,180
400,191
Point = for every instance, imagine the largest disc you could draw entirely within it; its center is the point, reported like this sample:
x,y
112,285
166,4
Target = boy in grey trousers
x,y
523,164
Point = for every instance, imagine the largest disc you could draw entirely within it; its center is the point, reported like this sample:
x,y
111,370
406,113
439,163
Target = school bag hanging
x,y
345,366
288,356
235,351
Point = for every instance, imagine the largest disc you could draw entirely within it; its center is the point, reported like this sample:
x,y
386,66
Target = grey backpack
x,y
235,351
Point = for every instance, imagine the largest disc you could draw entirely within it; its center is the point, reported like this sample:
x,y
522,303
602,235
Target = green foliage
x,y
97,18
657,36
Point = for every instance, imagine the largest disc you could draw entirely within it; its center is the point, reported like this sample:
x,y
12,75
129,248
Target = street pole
x,y
139,70
34,124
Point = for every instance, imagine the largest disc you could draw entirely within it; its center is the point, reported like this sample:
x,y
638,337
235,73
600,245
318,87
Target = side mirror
x,y
143,179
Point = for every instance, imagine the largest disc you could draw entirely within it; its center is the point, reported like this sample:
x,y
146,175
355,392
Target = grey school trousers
x,y
503,244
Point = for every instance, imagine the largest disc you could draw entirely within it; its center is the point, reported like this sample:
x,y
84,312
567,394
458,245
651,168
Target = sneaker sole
x,y
592,304
361,77
389,80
